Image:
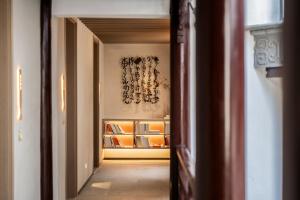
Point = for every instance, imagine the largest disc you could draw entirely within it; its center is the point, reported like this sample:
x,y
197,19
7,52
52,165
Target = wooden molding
x,y
274,72
179,93
46,103
6,142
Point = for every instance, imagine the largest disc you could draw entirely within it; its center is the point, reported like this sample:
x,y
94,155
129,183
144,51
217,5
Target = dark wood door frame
x,y
291,128
71,111
46,102
6,142
220,100
96,105
220,151
182,183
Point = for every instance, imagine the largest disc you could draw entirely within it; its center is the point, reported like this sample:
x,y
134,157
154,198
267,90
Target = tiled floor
x,y
129,180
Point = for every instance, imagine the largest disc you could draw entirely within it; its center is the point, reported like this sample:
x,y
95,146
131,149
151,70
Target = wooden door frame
x,y
181,180
219,164
96,103
71,111
46,103
6,141
291,99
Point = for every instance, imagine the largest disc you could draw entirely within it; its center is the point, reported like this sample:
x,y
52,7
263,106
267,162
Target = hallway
x,y
129,179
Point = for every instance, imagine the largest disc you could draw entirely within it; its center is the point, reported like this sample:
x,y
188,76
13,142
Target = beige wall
x,y
113,105
112,8
84,103
58,117
26,53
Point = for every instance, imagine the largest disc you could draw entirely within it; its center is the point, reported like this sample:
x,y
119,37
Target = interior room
x,y
114,83
85,99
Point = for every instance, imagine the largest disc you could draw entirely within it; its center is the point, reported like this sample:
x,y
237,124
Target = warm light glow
x,y
19,93
102,185
120,122
99,90
63,92
136,153
152,122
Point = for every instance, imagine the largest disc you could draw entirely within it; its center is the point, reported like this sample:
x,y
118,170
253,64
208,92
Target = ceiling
x,y
130,30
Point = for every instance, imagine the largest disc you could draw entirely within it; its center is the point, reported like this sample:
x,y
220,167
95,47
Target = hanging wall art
x,y
140,79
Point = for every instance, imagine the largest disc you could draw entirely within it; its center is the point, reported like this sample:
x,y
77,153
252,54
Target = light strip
x,y
63,92
19,93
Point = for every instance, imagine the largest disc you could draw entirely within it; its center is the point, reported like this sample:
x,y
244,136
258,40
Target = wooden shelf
x,y
136,134
135,125
165,147
119,134
162,134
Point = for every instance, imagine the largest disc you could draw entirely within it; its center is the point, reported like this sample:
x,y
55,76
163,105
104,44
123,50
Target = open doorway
x,y
127,130
161,135
212,43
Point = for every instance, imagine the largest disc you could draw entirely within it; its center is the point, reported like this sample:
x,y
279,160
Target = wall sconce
x,y
19,93
63,92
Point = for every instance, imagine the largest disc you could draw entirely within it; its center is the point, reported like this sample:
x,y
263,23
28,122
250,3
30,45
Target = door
x,y
219,170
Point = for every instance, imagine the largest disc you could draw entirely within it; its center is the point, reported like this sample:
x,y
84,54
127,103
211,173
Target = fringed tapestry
x,y
140,79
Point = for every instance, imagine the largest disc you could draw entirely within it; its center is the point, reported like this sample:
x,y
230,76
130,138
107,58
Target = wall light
x,y
63,92
19,93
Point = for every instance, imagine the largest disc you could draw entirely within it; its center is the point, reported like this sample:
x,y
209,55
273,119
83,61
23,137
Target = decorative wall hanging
x,y
140,79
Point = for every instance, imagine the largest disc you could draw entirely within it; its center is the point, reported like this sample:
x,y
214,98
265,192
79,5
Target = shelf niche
x,y
152,135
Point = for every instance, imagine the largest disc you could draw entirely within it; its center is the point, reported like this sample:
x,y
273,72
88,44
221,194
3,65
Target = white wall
x,y
111,8
26,53
263,130
113,104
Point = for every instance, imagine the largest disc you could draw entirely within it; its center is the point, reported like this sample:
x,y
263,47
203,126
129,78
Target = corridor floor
x,y
129,180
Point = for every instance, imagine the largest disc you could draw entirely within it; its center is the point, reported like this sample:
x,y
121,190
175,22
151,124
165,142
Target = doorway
x,y
114,119
179,107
